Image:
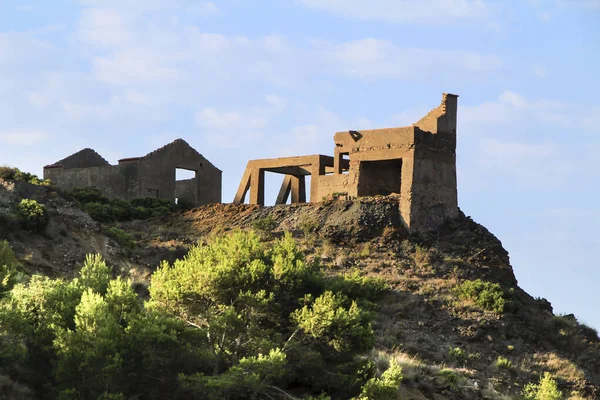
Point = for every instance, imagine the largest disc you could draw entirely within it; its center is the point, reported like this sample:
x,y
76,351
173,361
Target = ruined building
x,y
417,162
153,175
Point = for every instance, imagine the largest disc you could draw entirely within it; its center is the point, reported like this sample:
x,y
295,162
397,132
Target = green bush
x,y
265,226
458,355
7,173
546,389
354,285
487,295
121,237
384,388
236,318
8,264
14,174
103,209
308,225
86,195
33,215
451,377
503,362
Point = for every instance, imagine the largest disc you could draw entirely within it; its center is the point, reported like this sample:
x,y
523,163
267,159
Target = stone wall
x,y
150,176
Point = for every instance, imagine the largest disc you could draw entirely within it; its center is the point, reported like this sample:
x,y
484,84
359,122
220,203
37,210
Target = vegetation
x,y
123,238
234,319
32,215
487,295
546,389
503,362
457,355
102,209
385,387
265,227
14,174
9,275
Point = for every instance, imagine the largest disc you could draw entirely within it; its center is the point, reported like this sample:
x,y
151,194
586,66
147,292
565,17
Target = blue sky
x,y
242,80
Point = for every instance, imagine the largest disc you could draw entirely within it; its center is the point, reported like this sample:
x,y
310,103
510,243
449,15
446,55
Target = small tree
x,y
546,389
33,215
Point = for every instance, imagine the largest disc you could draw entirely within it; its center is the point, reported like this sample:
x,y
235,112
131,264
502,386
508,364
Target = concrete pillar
x,y
284,192
257,187
337,162
240,195
298,185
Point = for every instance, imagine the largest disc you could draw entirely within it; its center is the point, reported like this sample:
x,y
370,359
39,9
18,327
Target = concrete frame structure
x,y
417,162
153,175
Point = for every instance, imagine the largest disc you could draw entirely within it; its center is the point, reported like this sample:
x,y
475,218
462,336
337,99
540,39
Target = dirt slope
x,y
450,348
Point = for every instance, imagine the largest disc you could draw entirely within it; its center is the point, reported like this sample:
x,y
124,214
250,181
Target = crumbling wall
x,y
112,180
85,158
158,172
150,176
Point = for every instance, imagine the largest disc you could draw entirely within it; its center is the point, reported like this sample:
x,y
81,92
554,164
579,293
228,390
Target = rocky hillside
x,y
453,316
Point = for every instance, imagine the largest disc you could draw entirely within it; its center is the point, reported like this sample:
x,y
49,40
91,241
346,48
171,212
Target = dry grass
x,y
560,367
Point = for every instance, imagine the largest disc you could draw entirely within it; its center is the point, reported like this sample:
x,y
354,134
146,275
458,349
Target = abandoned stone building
x,y
153,175
416,162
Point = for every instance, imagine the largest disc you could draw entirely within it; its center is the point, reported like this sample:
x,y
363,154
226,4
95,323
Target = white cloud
x,y
377,58
194,7
403,11
203,9
512,108
316,136
239,127
103,27
22,137
212,118
531,163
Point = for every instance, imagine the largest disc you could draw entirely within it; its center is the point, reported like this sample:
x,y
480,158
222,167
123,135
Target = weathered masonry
x,y
153,175
417,162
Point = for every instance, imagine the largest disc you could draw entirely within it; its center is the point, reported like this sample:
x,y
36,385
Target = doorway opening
x,y
382,177
186,187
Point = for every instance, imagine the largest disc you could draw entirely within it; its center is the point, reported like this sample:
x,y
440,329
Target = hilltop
x,y
452,314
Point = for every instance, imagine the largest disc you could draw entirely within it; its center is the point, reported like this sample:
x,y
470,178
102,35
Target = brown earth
x,y
449,348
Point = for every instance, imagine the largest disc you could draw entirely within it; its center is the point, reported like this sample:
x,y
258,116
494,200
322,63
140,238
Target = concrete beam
x,y
240,195
298,186
285,190
257,187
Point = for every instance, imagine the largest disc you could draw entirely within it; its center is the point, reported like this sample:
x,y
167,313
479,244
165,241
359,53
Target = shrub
x,y
451,377
384,388
7,173
343,329
458,355
503,362
32,215
308,225
86,195
123,238
248,298
14,174
354,285
95,274
99,212
8,263
546,389
486,295
265,226
103,209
